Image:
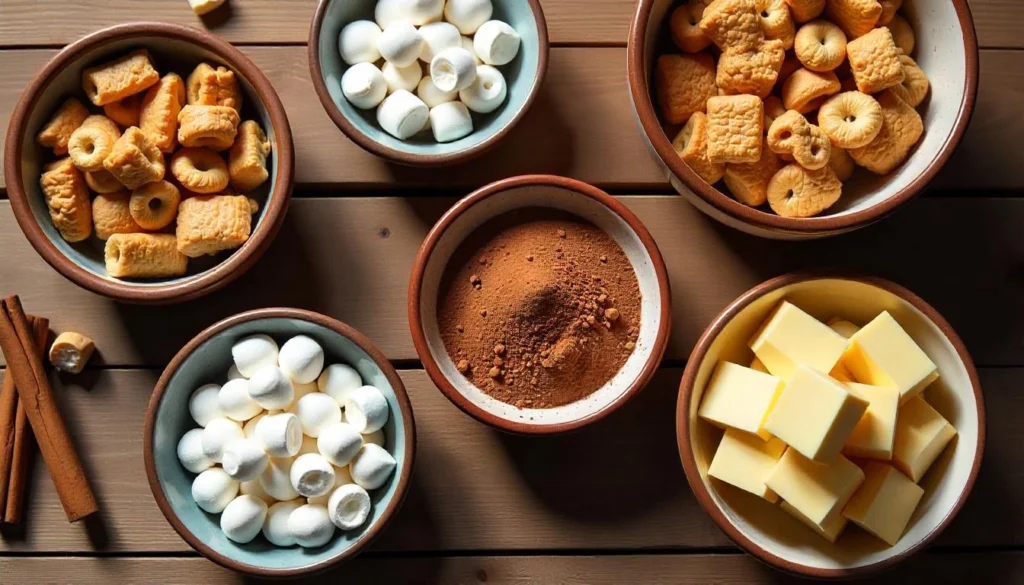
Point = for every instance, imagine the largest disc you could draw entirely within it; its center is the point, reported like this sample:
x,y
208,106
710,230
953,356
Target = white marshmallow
x,y
372,466
339,443
213,490
302,358
339,379
316,410
402,114
364,85
468,15
402,78
415,12
275,481
249,428
233,373
253,488
387,12
487,91
375,438
244,459
234,401
400,44
349,506
271,387
453,69
432,96
438,36
357,42
190,452
243,519
203,404
496,42
280,434
275,527
253,352
311,475
310,525
366,409
467,43
450,121
216,436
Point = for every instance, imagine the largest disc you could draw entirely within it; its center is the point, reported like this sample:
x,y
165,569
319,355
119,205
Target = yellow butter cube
x,y
740,398
815,415
814,490
791,337
843,327
884,503
745,460
830,529
921,435
883,354
758,365
873,436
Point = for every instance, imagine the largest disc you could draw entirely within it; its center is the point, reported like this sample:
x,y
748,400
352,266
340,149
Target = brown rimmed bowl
x,y
523,76
173,48
556,193
946,49
766,531
206,359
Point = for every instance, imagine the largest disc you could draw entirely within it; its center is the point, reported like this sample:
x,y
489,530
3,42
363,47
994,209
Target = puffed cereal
x,y
119,78
902,34
125,111
214,86
143,256
805,10
208,224
207,126
820,46
841,163
683,84
734,128
855,17
92,142
683,24
889,8
733,25
159,115
754,72
901,128
200,170
792,134
798,192
691,144
805,90
102,181
135,160
773,108
247,161
154,205
851,119
915,84
748,182
56,133
67,199
875,61
111,215
776,21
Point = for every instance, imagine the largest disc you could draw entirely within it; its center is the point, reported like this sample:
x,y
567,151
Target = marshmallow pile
x,y
286,446
410,36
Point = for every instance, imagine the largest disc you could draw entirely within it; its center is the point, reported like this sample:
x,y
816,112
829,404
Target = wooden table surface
x,y
608,504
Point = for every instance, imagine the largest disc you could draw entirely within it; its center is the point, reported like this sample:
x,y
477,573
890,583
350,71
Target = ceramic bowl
x,y
206,359
173,48
947,50
765,530
557,193
523,77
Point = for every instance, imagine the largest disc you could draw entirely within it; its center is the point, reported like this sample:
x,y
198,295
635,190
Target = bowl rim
x,y
361,341
683,421
190,287
409,158
643,108
441,227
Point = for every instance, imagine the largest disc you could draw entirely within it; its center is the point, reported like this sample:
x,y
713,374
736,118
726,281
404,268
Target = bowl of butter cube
x,y
832,426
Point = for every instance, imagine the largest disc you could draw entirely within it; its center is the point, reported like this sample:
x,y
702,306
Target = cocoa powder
x,y
539,308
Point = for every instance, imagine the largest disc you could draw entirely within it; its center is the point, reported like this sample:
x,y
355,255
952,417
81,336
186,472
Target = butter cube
x,y
758,365
884,503
815,415
873,436
814,490
740,398
846,329
921,435
792,337
830,529
745,460
882,354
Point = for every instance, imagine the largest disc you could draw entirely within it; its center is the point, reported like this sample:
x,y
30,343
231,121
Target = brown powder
x,y
539,308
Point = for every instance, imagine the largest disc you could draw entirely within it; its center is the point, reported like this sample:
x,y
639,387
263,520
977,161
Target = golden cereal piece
x,y
125,111
841,163
915,84
56,133
111,215
733,25
154,205
144,256
208,224
70,352
748,182
254,206
901,129
67,199
92,142
683,84
207,126
691,144
902,34
789,66
805,10
798,192
773,108
820,46
776,21
734,128
889,8
135,160
247,161
791,133
209,86
683,24
119,78
102,181
855,17
752,72
851,119
805,90
159,116
875,61
200,170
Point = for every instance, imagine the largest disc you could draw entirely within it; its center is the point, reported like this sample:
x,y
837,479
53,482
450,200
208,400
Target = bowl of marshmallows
x,y
279,442
427,82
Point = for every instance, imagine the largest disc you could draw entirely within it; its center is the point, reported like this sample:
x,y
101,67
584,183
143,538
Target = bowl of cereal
x,y
149,162
797,119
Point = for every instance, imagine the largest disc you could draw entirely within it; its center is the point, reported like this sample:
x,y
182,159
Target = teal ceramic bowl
x,y
523,77
206,359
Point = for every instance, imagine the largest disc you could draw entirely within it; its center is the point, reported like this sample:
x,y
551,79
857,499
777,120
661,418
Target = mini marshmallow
x,y
271,388
467,43
339,379
249,428
243,518
438,36
487,91
280,434
400,44
366,409
372,467
253,352
213,490
339,443
190,452
203,404
316,410
275,481
275,527
349,506
310,525
253,488
364,85
415,12
433,97
375,438
357,42
216,436
311,475
233,373
399,78
453,69
496,43
450,121
402,114
235,402
387,12
244,459
302,358
468,15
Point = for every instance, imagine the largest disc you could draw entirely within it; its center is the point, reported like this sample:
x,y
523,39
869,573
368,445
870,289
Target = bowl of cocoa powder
x,y
539,304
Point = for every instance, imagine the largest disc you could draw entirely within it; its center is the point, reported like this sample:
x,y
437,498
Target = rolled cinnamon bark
x,y
8,411
23,440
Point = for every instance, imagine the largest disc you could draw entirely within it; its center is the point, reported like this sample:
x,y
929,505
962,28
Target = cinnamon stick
x,y
23,439
8,411
34,391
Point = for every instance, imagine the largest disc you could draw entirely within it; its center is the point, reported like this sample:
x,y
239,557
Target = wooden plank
x,y
604,487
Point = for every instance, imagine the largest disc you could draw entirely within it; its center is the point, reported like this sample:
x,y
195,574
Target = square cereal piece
x,y
733,25
683,84
208,224
902,127
754,72
735,128
67,199
691,144
875,61
748,182
855,17
56,133
120,78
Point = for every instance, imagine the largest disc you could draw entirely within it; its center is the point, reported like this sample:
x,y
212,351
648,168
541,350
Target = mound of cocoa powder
x,y
539,308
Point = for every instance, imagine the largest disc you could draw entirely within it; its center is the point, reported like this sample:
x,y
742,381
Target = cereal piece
x,y
102,181
851,119
208,224
111,215
201,7
247,161
855,17
209,86
207,126
683,84
733,25
752,72
683,25
56,133
748,182
67,199
143,256
805,10
734,128
70,352
773,108
902,34
691,144
790,133
154,205
802,90
841,163
200,170
820,45
135,161
915,84
776,21
797,192
93,142
889,8
875,60
125,111
119,78
159,115
901,129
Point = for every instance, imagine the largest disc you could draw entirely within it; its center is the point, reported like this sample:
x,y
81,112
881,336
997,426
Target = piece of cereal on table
x,y
247,160
884,503
855,17
735,134
798,192
745,461
683,84
684,25
204,126
740,398
160,107
901,128
691,144
805,90
806,10
111,215
733,25
120,78
57,131
125,111
67,199
214,86
875,61
143,256
753,72
921,436
208,224
135,160
748,182
817,491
